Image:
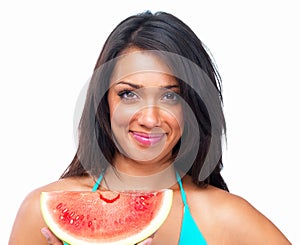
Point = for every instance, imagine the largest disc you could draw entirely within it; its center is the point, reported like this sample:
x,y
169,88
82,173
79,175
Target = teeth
x,y
149,135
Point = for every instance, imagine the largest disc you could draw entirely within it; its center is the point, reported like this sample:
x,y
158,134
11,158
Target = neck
x,y
133,167
114,179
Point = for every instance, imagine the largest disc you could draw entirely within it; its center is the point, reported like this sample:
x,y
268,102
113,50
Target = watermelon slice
x,y
105,217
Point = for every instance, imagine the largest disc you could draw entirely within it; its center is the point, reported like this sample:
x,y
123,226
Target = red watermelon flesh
x,y
105,217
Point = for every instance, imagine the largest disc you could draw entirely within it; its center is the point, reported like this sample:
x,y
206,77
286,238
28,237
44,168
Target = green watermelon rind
x,y
145,232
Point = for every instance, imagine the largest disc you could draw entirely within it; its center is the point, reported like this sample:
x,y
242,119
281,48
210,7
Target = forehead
x,y
142,65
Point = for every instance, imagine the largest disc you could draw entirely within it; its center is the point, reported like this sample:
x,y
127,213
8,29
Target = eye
x,y
127,95
171,97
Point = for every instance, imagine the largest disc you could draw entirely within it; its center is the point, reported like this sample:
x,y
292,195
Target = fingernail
x,y
45,233
148,242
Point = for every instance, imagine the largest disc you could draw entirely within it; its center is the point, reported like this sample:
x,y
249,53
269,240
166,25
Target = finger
x,y
148,241
51,239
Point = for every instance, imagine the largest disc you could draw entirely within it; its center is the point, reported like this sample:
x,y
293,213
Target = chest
x,y
169,232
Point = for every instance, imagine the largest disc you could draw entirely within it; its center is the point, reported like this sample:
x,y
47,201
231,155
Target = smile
x,y
147,139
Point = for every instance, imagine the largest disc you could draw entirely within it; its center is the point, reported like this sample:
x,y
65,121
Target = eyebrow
x,y
130,84
136,86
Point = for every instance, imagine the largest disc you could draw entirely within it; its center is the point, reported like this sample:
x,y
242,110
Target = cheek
x,y
180,125
175,120
120,117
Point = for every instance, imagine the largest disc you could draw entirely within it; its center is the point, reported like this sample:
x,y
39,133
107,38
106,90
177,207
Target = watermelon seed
x,y
59,206
140,206
71,221
65,210
150,195
79,217
90,224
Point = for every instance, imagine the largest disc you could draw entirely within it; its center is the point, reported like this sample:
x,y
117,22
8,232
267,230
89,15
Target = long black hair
x,y
200,88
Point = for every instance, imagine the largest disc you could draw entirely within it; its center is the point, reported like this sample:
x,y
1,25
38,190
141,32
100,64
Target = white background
x,y
48,50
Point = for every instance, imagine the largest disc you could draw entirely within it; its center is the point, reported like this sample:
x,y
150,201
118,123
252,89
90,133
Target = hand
x,y
147,241
53,240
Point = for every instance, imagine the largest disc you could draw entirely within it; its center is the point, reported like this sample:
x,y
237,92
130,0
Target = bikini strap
x,y
96,185
183,196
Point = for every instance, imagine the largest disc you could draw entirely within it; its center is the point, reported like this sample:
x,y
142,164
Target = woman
x,y
153,119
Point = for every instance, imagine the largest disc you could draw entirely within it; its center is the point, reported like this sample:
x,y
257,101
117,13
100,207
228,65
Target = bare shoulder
x,y
29,221
232,219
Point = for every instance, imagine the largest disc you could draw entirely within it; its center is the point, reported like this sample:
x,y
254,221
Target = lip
x,y
147,139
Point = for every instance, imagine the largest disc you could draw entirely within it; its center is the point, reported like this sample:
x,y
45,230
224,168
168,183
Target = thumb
x,y
148,241
51,239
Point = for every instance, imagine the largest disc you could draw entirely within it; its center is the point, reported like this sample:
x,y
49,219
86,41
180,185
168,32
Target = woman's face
x,y
145,107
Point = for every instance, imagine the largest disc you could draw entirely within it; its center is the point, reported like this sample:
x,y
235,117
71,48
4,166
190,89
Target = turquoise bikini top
x,y
190,233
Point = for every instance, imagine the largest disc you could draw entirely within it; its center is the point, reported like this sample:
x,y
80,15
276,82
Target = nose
x,y
149,117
